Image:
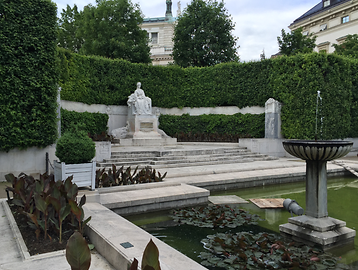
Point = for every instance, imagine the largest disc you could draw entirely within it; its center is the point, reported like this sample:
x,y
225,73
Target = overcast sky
x,y
258,23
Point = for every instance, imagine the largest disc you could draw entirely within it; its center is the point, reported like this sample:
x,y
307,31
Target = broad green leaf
x,y
78,254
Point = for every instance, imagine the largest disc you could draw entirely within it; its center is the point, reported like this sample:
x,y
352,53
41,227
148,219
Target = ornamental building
x,y
160,33
331,21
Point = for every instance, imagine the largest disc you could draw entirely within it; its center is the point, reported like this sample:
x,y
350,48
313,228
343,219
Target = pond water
x,y
342,204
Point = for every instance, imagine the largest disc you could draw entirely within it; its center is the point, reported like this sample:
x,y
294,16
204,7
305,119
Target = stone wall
x,y
118,114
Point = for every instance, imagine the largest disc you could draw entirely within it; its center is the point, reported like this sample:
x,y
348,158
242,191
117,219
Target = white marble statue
x,y
139,103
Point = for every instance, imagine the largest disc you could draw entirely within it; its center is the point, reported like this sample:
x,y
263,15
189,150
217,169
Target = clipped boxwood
x,y
75,147
242,125
92,123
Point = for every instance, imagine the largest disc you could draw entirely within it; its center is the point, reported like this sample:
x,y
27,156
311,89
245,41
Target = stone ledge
x,y
108,231
143,200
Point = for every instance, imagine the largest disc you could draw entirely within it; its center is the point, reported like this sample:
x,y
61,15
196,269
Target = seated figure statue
x,y
139,103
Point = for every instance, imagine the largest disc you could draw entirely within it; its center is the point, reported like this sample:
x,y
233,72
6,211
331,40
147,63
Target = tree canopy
x,y
68,36
295,42
349,47
110,29
202,36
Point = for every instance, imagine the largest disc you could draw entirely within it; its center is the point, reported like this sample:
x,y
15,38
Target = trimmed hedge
x,y
28,73
97,80
93,123
294,81
241,125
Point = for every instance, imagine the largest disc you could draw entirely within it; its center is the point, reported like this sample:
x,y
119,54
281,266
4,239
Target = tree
x,y
68,35
111,29
202,36
295,42
349,47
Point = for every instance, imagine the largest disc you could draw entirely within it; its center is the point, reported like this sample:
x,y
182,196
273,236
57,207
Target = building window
x,y
323,27
305,33
154,38
326,3
345,19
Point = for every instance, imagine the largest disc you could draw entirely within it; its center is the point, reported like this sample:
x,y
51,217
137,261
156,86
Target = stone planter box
x,y
84,174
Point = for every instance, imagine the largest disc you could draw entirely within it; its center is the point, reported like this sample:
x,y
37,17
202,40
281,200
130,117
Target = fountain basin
x,y
317,150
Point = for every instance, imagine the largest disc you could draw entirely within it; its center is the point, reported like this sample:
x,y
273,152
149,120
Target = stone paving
x,y
205,176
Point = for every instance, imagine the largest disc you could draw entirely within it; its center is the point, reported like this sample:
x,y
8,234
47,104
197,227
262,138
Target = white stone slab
x,y
230,199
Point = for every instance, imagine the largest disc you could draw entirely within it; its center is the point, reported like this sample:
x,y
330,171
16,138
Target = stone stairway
x,y
171,158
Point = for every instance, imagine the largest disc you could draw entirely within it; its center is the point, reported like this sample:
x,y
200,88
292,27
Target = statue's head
x,y
139,85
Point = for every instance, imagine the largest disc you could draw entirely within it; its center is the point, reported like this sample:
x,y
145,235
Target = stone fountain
x,y
316,227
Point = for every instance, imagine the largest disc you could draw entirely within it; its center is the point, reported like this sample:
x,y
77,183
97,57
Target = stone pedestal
x,y
325,232
316,227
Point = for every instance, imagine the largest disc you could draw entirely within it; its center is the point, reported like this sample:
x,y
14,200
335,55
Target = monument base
x,y
325,232
148,142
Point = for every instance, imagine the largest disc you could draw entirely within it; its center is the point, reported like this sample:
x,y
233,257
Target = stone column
x,y
316,188
59,112
272,119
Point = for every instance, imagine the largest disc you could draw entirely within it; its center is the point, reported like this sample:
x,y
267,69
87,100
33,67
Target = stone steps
x,y
182,157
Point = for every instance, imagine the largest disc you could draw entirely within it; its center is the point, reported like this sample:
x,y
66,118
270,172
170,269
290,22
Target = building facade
x,y
160,32
330,21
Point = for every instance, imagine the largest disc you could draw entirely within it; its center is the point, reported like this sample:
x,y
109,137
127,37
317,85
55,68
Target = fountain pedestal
x,y
316,227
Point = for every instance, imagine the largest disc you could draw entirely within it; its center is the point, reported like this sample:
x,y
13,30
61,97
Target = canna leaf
x,y
78,254
150,258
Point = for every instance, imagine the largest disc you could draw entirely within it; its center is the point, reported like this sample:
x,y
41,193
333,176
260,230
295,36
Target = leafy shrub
x,y
93,123
213,127
123,176
75,147
46,203
28,73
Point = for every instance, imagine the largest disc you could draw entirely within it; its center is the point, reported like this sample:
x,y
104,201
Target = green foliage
x,y
111,29
123,176
68,36
46,203
295,42
150,259
349,47
295,82
242,125
75,147
95,80
28,74
245,250
203,35
92,123
78,254
214,216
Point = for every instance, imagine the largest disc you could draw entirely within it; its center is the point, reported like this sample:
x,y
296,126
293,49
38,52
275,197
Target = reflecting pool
x,y
342,204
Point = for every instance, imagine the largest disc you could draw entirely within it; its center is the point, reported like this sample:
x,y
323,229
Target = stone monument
x,y
142,125
272,119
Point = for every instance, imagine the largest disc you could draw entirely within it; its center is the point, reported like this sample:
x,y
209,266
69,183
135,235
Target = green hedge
x,y
93,123
28,73
96,80
294,81
242,125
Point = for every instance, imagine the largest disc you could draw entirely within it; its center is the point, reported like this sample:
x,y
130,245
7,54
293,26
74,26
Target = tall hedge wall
x,y
294,81
28,74
103,81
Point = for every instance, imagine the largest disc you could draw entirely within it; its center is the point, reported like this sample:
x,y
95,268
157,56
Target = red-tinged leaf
x,y
78,254
134,265
315,259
